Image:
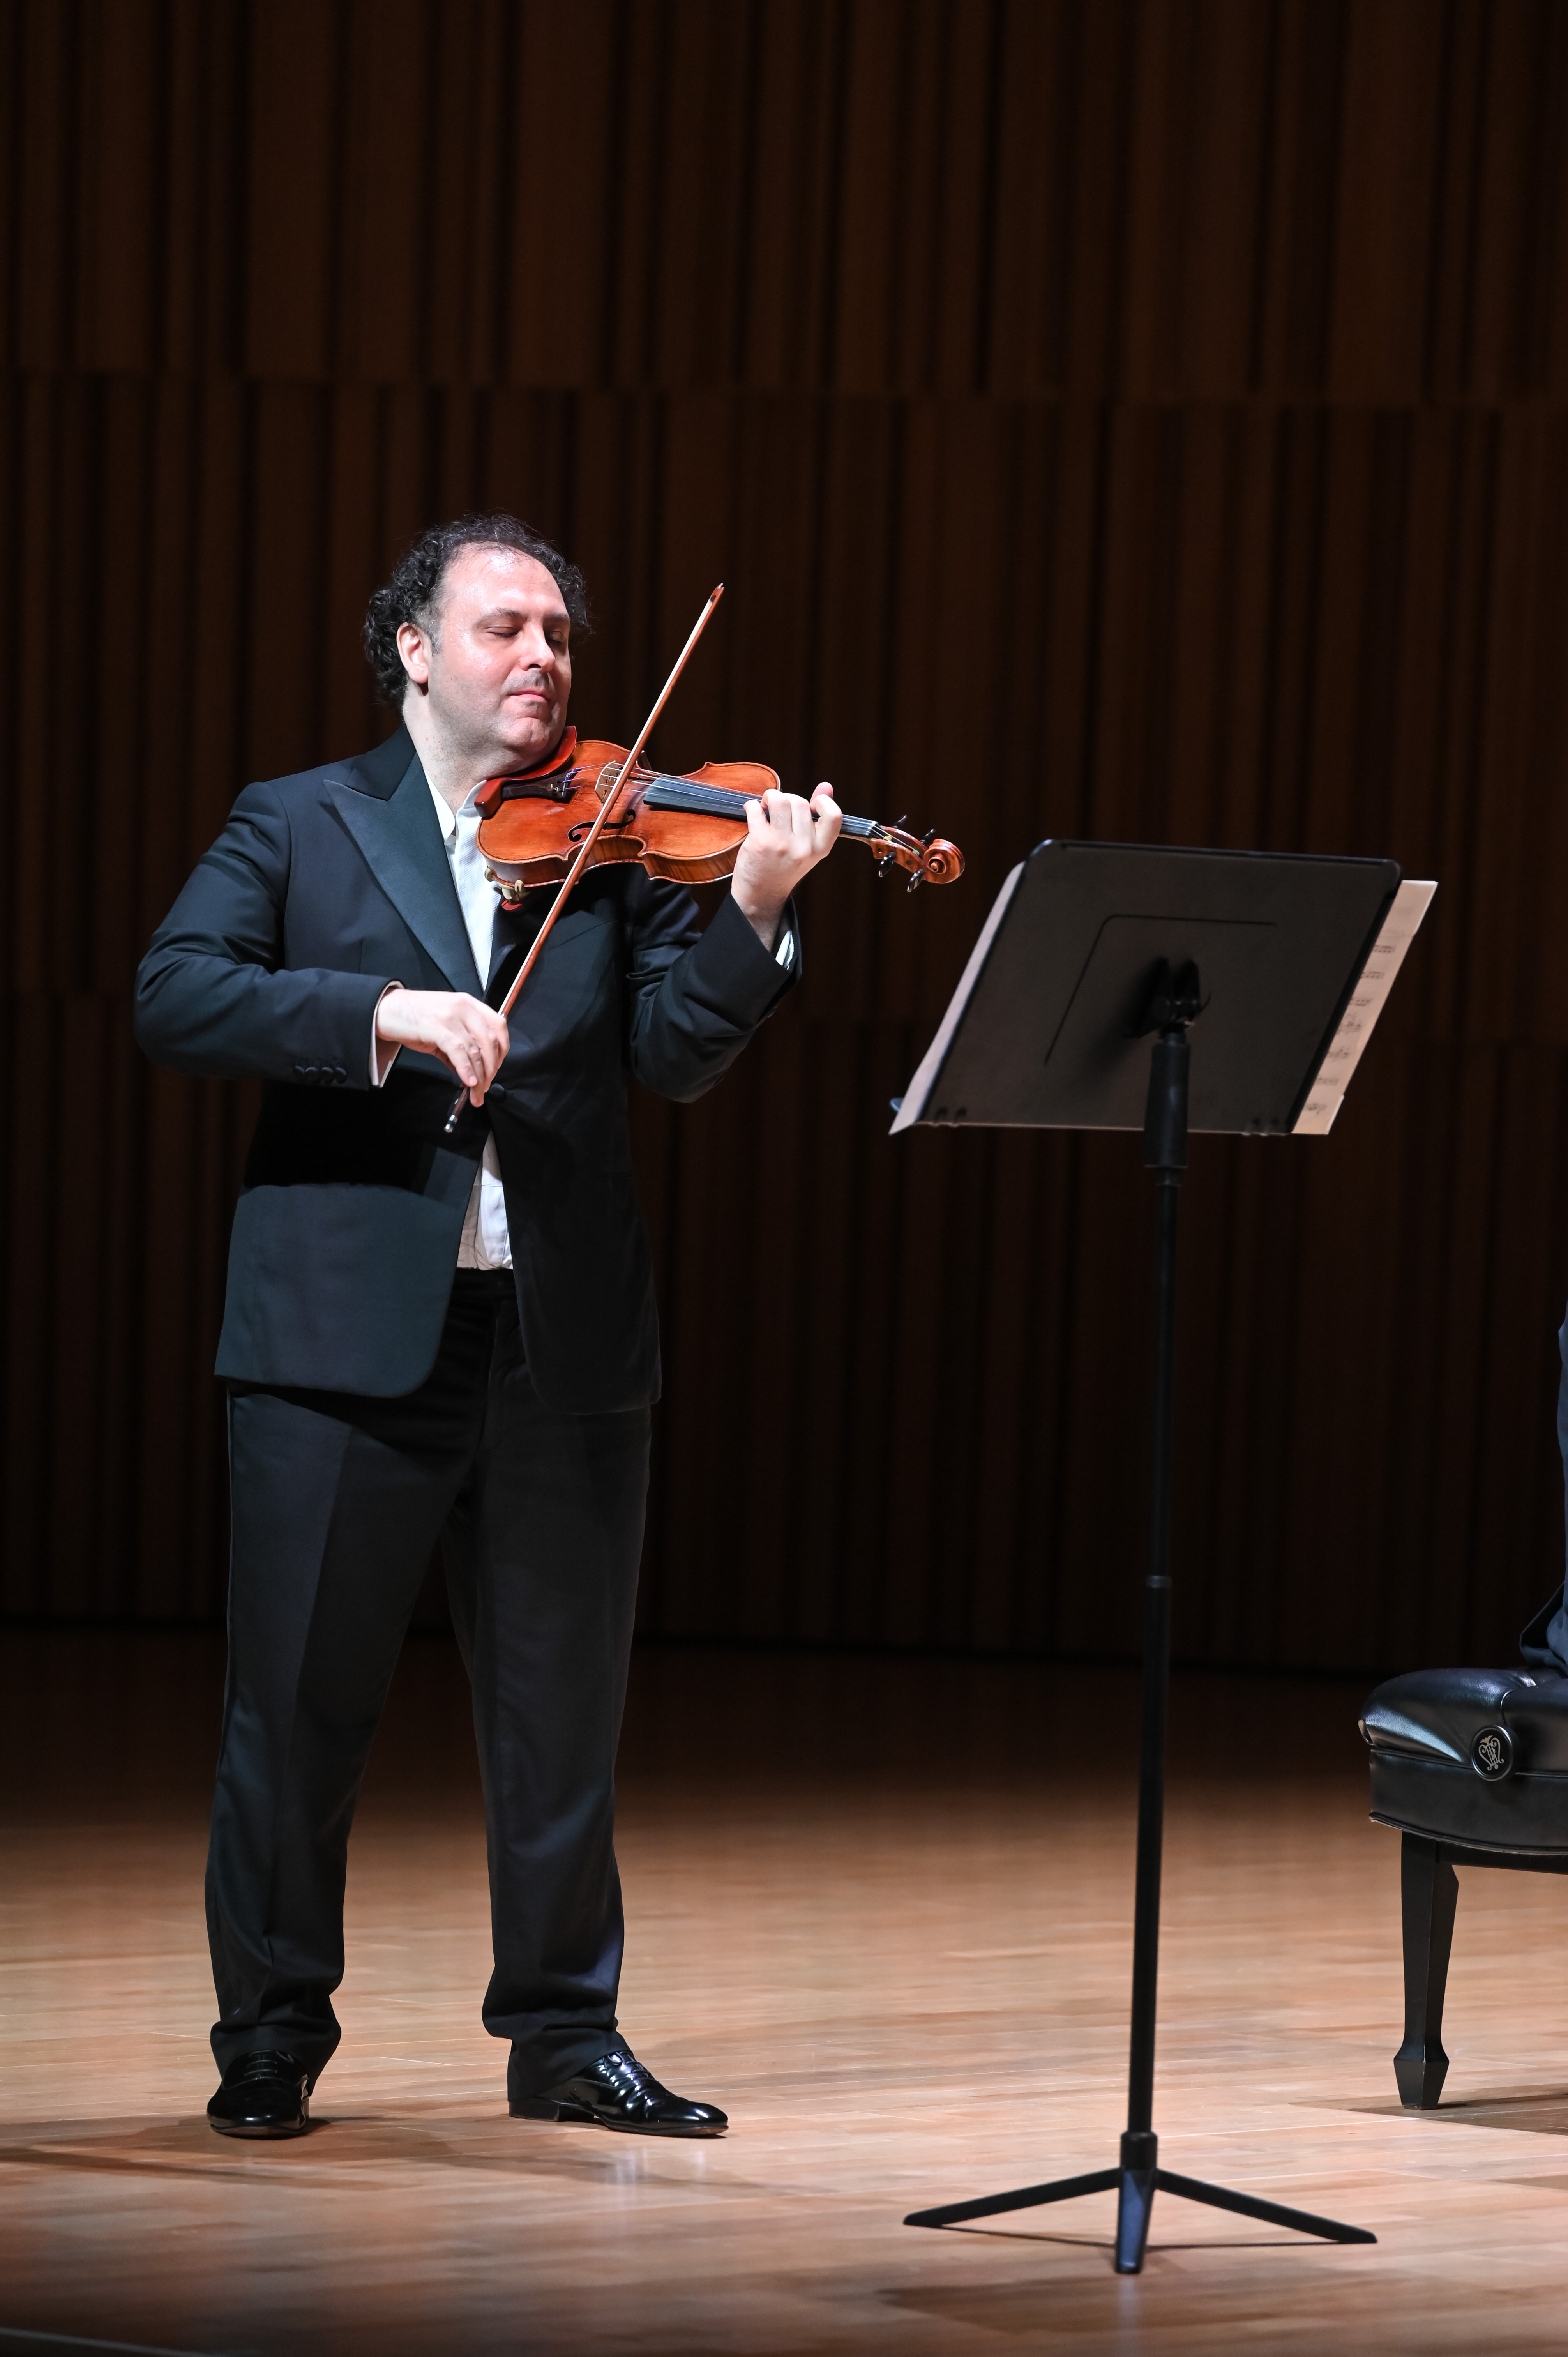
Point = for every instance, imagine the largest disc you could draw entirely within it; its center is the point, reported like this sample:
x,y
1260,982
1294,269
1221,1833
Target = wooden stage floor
x,y
879,1910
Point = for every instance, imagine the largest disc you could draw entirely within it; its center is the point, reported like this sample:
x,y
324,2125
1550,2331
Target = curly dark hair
x,y
413,592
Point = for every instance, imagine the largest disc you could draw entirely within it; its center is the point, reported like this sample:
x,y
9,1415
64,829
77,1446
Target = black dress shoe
x,y
616,2091
263,2096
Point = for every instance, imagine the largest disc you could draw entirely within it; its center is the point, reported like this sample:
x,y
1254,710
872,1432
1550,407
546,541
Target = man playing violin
x,y
444,1336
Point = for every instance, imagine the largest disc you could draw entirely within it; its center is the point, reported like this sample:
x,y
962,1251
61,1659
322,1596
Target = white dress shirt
x,y
485,1241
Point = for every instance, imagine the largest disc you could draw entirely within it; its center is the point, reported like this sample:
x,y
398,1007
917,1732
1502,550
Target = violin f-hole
x,y
611,825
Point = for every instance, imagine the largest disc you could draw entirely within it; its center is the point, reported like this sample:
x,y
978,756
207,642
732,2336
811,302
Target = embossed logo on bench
x,y
1491,1753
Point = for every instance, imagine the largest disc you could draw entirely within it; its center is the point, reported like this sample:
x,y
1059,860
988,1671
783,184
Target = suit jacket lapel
x,y
384,801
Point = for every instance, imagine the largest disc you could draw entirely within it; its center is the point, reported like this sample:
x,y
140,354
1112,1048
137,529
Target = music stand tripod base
x,y
1135,2186
1090,950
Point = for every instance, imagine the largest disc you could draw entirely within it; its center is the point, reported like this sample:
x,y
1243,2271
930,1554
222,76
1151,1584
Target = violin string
x,y
722,801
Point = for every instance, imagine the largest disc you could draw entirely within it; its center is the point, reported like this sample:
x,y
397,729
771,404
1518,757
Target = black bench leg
x,y
1429,1890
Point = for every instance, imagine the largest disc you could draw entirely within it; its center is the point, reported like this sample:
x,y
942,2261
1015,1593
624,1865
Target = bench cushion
x,y
1478,1756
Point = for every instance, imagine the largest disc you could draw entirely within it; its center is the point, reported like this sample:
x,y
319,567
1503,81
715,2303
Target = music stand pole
x,y
1174,1002
1164,1154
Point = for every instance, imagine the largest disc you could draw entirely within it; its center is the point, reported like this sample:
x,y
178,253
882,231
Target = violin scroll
x,y
924,858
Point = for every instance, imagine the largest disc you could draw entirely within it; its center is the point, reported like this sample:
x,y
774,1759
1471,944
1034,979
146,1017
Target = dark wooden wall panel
x,y
1142,418
1176,199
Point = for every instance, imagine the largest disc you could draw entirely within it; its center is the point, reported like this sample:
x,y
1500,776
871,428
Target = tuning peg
x,y
928,837
916,880
889,859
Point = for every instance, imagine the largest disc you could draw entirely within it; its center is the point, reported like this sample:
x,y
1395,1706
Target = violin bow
x,y
627,768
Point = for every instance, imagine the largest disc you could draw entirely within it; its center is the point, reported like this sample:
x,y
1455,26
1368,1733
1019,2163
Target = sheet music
x,y
1400,928
920,1087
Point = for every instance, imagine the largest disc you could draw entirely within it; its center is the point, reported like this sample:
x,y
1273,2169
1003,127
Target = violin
x,y
592,803
689,828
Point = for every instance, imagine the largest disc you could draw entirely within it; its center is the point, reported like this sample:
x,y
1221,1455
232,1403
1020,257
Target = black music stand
x,y
1090,949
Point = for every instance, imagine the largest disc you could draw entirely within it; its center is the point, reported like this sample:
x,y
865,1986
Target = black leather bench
x,y
1471,1766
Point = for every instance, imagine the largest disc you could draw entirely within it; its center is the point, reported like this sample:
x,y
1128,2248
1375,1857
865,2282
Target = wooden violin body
x,y
689,828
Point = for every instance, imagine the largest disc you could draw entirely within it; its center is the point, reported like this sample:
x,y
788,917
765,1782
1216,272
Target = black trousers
x,y
337,1502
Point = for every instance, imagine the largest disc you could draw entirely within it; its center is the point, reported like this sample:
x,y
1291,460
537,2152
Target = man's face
x,y
494,673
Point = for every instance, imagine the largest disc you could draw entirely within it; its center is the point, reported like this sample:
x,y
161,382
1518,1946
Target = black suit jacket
x,y
322,887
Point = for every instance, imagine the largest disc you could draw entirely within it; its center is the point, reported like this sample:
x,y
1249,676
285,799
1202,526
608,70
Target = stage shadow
x,y
1536,2111
1017,2309
348,2146
1014,2310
